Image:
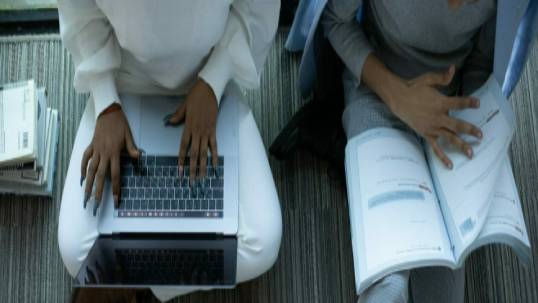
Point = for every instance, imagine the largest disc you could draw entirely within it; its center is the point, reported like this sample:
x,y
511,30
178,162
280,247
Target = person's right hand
x,y
111,135
426,110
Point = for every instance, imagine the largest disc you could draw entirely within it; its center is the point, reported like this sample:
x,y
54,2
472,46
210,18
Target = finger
x,y
84,163
132,150
100,182
92,169
183,147
203,157
195,148
436,79
463,103
440,153
458,142
115,179
214,151
177,117
458,126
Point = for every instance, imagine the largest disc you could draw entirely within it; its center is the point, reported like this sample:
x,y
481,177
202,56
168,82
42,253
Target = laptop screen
x,y
144,262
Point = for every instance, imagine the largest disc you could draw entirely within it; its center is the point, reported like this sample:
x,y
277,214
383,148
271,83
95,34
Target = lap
x,y
257,195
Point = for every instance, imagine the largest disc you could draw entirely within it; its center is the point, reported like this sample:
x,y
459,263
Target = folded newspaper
x,y
28,140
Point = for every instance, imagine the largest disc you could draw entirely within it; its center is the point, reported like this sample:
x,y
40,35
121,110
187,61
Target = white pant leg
x,y
260,221
77,227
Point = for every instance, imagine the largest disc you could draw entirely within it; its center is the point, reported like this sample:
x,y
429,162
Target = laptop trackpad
x,y
145,115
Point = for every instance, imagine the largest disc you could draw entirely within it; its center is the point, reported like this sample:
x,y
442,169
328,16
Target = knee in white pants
x,y
69,246
258,250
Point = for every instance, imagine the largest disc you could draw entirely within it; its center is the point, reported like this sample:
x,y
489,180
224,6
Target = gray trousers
x,y
363,111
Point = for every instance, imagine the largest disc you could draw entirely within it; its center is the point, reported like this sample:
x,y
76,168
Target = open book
x,y
407,210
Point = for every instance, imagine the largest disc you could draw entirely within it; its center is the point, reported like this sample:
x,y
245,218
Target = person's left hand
x,y
199,112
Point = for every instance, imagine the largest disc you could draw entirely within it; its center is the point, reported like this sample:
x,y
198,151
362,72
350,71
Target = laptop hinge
x,y
168,236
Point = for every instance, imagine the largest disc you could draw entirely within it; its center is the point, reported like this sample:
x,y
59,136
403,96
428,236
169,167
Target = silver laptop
x,y
145,115
162,221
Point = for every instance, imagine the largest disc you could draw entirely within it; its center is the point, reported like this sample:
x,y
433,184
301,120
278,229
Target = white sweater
x,y
163,46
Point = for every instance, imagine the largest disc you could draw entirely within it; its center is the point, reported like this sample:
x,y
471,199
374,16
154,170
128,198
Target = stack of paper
x,y
29,133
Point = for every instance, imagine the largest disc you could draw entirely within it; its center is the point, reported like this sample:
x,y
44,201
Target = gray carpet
x,y
315,263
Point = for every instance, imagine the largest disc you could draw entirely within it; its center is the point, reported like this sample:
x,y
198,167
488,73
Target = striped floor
x,y
315,263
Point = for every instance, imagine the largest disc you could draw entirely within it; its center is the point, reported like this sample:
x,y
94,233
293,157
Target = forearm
x,y
387,85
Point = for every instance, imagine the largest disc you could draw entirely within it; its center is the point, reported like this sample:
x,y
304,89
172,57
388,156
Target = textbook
x,y
407,210
23,185
18,124
27,168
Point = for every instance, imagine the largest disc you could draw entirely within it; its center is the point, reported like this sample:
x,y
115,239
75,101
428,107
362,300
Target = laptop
x,y
166,232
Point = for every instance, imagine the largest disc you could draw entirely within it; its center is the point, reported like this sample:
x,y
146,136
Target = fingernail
x,y
167,117
450,166
480,135
180,171
86,198
82,179
116,201
469,153
95,206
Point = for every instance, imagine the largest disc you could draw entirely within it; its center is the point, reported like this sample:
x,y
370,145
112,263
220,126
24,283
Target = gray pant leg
x,y
438,284
393,288
364,110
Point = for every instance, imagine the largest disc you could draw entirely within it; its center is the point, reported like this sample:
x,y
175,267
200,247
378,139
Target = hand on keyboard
x,y
199,112
112,134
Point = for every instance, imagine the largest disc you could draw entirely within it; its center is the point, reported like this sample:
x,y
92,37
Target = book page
x,y
18,114
465,191
504,222
505,214
394,210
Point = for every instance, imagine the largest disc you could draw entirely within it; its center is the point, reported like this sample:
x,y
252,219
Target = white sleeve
x,y
88,36
241,52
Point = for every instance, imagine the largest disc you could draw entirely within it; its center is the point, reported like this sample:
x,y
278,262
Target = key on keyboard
x,y
151,187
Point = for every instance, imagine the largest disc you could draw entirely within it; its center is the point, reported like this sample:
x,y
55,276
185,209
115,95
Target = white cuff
x,y
217,72
104,93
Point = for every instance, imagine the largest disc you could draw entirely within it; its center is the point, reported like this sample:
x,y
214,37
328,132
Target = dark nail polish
x,y
95,206
82,179
86,198
167,117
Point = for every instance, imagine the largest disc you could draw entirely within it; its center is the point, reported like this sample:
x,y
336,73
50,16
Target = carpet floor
x,y
315,262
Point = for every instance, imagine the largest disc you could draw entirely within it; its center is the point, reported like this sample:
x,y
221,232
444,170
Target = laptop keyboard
x,y
171,266
151,187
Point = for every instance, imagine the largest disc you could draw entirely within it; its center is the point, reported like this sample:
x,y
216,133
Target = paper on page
x,y
401,217
465,192
17,122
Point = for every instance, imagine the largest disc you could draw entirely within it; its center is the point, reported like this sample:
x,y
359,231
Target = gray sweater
x,y
415,36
